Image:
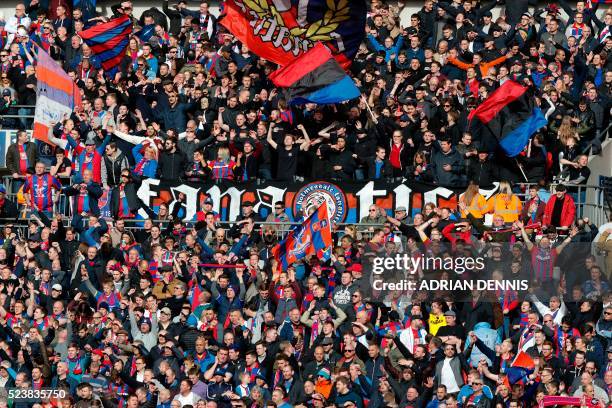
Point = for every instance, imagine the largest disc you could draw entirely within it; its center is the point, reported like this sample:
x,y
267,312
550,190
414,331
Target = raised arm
x,y
525,236
56,141
306,143
271,141
129,138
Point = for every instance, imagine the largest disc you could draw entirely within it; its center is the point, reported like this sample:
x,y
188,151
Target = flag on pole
x,y
282,30
109,41
313,237
511,115
315,77
56,95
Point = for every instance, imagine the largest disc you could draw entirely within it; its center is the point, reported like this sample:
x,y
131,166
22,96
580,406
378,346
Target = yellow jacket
x,y
476,207
508,208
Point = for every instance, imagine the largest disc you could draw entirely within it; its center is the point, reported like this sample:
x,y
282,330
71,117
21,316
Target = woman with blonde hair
x,y
566,131
146,160
505,204
472,202
223,167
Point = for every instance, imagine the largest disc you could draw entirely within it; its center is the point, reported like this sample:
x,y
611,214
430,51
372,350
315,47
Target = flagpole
x,y
368,108
521,169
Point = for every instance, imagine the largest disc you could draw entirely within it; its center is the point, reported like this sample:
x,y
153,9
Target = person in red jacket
x,y
560,209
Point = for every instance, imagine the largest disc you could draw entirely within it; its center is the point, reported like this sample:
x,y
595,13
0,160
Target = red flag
x,y
502,96
282,30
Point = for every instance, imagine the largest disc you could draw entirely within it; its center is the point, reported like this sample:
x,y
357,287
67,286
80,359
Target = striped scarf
x,y
524,322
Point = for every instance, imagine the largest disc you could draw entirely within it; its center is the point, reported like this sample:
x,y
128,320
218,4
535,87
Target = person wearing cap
x,y
218,386
248,212
452,332
144,330
88,156
560,210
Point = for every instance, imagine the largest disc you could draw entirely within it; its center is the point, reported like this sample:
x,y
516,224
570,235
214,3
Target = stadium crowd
x,y
197,313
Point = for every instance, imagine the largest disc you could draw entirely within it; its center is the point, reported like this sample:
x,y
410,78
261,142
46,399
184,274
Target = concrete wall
x,y
601,166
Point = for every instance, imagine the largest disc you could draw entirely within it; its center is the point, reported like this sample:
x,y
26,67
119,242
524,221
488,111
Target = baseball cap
x,y
57,286
166,310
355,268
6,92
327,341
404,118
400,208
208,201
450,313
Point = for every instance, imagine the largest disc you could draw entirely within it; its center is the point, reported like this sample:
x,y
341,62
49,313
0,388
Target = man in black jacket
x,y
294,385
114,162
86,189
482,170
379,167
172,162
342,160
21,157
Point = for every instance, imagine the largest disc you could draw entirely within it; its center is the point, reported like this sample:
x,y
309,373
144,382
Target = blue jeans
x,y
25,122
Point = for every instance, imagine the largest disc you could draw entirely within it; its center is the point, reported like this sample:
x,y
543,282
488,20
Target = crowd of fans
x,y
195,313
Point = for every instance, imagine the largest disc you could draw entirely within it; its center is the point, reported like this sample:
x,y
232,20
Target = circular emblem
x,y
312,196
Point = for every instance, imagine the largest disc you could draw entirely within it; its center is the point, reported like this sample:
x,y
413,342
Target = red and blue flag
x,y
519,370
109,41
511,115
315,77
313,237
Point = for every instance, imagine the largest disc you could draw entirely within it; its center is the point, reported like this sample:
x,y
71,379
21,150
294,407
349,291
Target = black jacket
x,y
94,191
386,170
483,173
12,157
171,166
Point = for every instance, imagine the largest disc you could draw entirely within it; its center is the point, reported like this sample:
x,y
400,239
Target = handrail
x,y
590,145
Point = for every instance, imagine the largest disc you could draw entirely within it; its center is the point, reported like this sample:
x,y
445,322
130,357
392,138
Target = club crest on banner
x,y
312,195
